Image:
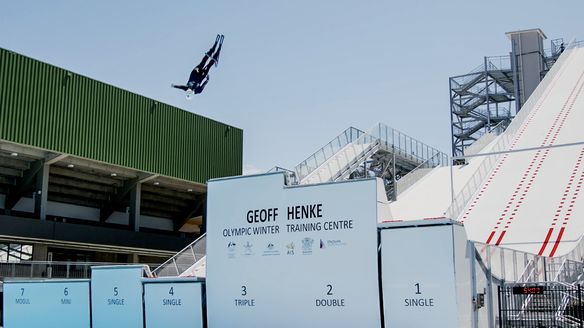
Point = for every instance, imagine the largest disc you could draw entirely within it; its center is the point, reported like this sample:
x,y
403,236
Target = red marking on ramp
x,y
491,237
561,206
557,243
500,238
556,128
519,134
545,242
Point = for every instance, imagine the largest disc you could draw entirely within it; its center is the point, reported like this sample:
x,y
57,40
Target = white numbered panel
x,y
58,303
116,296
176,303
292,257
418,277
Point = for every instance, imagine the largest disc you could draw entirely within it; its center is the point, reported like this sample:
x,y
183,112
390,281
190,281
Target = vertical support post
x,y
503,273
41,192
68,268
487,94
194,255
515,277
500,306
379,131
545,271
451,184
515,67
176,266
394,196
135,195
490,302
453,138
525,264
473,284
580,309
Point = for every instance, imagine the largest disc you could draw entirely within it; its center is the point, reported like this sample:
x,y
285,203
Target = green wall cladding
x,y
51,108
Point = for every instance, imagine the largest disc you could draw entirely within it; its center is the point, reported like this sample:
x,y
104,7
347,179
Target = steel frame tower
x,y
487,97
480,100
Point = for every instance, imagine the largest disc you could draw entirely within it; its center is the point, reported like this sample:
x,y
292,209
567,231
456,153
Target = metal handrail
x,y
413,176
528,272
52,269
372,145
191,254
389,138
320,156
534,263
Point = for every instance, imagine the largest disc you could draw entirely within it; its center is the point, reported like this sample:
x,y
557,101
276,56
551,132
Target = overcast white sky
x,y
293,74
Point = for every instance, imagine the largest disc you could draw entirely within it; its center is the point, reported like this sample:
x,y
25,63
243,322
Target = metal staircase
x,y
480,100
381,152
487,96
535,291
557,303
543,292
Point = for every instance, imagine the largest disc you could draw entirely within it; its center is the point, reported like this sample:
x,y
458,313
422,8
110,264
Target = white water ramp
x,y
531,201
528,200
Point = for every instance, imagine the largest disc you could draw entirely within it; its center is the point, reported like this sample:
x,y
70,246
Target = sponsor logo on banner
x,y
231,250
307,246
271,250
331,243
335,243
248,248
290,249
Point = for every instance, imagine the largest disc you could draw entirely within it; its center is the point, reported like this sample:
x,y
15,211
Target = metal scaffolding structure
x,y
381,152
486,97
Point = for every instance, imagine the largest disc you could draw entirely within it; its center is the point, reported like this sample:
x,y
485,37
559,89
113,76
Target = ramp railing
x,y
327,151
521,267
559,276
406,147
486,139
336,159
418,173
347,160
462,199
184,259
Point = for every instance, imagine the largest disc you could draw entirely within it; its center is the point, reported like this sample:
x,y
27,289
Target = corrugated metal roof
x,y
54,109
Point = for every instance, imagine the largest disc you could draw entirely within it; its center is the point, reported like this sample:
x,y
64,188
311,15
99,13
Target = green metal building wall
x,y
51,108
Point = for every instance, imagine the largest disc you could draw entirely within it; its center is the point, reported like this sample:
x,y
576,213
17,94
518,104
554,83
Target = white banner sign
x,y
57,303
292,256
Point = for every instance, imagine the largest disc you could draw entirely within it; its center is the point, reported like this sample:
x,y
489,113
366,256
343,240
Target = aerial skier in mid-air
x,y
200,74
